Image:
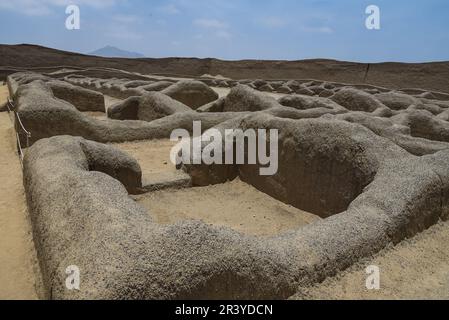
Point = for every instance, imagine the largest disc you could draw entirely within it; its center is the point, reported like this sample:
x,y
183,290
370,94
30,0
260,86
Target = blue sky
x,y
411,31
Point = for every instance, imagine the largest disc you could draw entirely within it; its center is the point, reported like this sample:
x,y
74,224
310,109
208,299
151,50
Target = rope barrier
x,y
22,131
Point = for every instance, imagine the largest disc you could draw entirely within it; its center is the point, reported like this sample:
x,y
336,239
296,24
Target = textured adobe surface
x,y
45,116
136,258
372,162
191,93
148,107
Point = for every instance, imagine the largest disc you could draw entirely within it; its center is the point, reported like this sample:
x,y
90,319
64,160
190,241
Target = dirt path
x,y
17,255
415,269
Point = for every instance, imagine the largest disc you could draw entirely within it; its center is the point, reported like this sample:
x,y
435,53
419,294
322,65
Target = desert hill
x,y
113,52
431,76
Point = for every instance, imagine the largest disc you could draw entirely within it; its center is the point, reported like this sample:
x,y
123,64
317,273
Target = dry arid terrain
x,y
392,75
362,178
17,255
415,269
235,205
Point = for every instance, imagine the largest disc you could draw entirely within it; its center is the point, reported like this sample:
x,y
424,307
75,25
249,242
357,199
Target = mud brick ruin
x,y
364,166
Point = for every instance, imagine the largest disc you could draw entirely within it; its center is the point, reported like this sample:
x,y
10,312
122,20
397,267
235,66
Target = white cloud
x,y
327,30
210,23
272,22
170,9
124,18
219,29
223,34
161,22
45,7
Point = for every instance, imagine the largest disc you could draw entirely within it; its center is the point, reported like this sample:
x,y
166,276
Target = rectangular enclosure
x,y
234,204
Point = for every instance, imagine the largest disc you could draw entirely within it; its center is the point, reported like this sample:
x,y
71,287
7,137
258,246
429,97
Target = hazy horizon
x,y
204,58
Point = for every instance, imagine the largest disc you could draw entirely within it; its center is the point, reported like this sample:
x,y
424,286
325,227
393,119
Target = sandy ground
x,y
223,92
417,268
154,158
18,263
234,204
96,114
3,93
108,101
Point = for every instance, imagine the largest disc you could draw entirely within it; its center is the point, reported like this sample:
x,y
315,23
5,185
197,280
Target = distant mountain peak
x,y
114,52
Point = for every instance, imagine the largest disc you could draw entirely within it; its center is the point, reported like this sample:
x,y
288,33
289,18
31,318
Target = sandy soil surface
x,y
234,204
415,269
153,157
18,263
3,93
223,92
97,115
108,101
